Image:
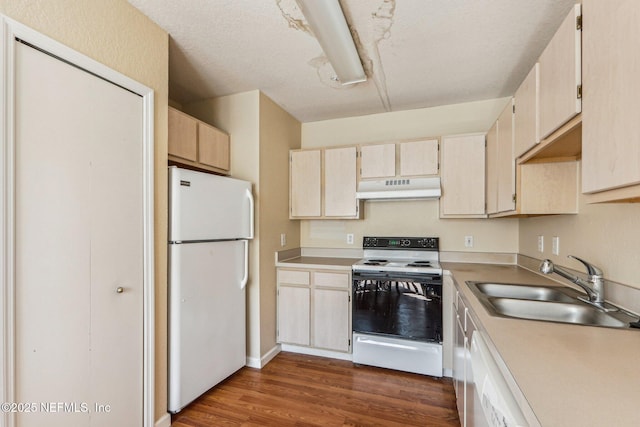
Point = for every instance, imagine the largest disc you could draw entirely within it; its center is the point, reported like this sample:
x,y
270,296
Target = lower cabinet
x,y
468,402
314,308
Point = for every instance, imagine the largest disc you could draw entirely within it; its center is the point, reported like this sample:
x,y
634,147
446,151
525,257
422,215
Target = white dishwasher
x,y
499,407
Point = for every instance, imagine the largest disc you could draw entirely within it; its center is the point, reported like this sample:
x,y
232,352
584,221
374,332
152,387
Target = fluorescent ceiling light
x,y
329,25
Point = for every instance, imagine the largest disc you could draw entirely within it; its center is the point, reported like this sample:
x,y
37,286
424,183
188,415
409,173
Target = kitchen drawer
x,y
294,277
334,280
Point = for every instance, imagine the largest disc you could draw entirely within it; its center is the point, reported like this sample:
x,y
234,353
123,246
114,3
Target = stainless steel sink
x,y
529,292
545,303
581,314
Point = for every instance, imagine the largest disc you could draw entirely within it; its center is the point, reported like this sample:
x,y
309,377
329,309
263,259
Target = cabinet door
x,y
378,161
561,74
419,158
459,365
331,319
78,222
182,135
492,169
506,163
305,184
610,127
463,175
526,118
474,414
340,173
293,315
213,147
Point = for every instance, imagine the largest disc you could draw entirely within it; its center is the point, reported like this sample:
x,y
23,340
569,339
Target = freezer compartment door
x,y
207,330
208,207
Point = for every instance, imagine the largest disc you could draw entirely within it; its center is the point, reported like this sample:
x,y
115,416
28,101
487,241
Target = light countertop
x,y
570,375
318,262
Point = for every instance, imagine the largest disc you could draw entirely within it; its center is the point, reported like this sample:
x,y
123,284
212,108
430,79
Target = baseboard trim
x,y
317,352
163,421
254,362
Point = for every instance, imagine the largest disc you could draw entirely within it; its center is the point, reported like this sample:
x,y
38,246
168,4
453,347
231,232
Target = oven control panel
x,y
419,243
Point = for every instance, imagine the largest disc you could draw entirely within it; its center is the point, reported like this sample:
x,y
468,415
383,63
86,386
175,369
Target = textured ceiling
x,y
417,53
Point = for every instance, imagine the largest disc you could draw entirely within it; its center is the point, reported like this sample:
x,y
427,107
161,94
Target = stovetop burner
x,y
420,264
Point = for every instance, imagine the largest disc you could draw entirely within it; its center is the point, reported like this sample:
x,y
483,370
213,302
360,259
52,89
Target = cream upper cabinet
x,y
463,176
378,160
505,162
561,74
611,129
322,183
419,157
305,183
526,189
340,176
526,117
492,169
213,147
194,143
183,134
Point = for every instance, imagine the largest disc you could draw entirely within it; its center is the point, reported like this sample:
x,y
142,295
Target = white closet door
x,y
79,236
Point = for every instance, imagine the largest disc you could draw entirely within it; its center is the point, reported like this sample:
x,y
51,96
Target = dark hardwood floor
x,y
300,390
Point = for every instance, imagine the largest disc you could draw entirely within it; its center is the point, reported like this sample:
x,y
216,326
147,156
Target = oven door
x,y
400,305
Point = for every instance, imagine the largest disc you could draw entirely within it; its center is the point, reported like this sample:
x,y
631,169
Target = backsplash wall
x,y
606,235
413,218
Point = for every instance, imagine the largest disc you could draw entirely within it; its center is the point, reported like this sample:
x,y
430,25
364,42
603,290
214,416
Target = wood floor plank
x,y
298,390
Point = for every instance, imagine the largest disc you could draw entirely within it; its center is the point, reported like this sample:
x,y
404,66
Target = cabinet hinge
x,y
514,198
349,342
513,108
579,22
579,92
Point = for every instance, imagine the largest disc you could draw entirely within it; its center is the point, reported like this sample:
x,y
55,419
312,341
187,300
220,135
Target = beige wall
x,y
279,133
409,217
607,235
262,134
116,34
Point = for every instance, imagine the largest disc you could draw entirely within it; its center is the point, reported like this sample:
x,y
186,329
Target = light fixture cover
x,y
329,25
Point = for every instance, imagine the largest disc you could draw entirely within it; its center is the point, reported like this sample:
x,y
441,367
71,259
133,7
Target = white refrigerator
x,y
210,224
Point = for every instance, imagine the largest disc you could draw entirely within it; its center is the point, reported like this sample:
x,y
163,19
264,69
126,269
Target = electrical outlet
x,y
468,241
283,239
555,245
350,239
540,244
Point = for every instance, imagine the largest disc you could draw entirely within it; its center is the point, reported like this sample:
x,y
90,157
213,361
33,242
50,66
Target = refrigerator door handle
x,y
252,213
245,278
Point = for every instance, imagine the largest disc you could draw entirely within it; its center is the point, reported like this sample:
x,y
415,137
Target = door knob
x,y
119,290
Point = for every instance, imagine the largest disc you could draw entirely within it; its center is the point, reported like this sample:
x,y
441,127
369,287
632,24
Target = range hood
x,y
399,188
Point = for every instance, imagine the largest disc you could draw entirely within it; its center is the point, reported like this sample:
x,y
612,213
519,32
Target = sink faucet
x,y
594,287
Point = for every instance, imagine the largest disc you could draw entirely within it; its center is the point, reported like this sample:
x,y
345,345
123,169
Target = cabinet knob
x,y
119,290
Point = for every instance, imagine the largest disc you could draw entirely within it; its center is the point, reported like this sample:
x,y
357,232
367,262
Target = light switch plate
x,y
350,239
283,239
540,244
555,245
